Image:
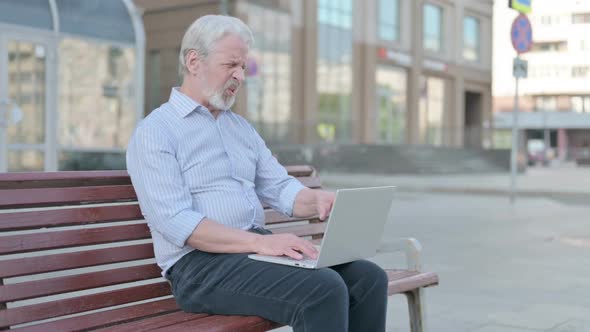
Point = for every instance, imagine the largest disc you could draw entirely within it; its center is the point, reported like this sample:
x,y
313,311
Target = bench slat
x,y
91,178
300,170
62,179
302,230
55,240
11,198
157,322
165,308
401,281
274,217
310,181
72,283
57,262
67,217
35,312
224,323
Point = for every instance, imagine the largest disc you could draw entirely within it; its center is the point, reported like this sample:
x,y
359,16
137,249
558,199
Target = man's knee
x,y
328,283
372,275
328,297
377,274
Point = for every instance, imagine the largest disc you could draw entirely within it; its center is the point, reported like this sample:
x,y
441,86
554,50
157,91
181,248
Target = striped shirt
x,y
186,165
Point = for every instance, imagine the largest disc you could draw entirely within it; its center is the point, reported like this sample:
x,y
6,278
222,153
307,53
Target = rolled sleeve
x,y
181,226
163,196
287,197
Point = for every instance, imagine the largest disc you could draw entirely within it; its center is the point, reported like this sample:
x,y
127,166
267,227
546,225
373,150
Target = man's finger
x,y
309,250
294,254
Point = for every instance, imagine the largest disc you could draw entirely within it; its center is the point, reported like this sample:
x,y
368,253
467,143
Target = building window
x,y
268,71
557,46
580,104
391,105
580,71
96,82
581,18
433,27
154,79
334,70
389,20
545,103
432,105
471,38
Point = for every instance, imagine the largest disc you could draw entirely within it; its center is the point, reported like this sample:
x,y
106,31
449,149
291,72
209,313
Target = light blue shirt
x,y
186,165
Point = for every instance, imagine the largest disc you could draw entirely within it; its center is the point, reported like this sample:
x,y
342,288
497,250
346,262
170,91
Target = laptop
x,y
353,231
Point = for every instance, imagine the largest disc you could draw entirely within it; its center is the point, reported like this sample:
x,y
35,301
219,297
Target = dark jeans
x,y
347,297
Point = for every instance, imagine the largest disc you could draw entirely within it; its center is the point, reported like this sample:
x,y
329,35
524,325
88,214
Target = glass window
x,y
471,37
581,18
107,20
96,83
432,105
433,28
388,25
31,13
545,103
580,104
550,46
334,71
391,105
26,88
25,161
580,71
268,81
154,80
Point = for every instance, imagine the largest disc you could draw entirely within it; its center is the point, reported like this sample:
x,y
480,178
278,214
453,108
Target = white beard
x,y
219,101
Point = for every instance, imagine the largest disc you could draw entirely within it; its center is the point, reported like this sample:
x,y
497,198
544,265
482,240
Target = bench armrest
x,y
410,246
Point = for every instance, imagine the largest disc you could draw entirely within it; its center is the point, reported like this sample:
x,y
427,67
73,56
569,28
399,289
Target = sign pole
x,y
521,35
515,141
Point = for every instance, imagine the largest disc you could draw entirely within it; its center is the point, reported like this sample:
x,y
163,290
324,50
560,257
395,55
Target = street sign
x,y
521,34
520,68
523,6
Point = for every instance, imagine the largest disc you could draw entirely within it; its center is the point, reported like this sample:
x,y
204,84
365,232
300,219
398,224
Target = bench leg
x,y
415,307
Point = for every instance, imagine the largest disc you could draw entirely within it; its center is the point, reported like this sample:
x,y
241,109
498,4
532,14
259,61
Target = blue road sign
x,y
521,34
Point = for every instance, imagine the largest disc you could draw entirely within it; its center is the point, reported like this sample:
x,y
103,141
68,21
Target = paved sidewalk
x,y
566,183
503,267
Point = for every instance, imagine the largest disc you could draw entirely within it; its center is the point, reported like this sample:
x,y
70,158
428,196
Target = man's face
x,y
223,71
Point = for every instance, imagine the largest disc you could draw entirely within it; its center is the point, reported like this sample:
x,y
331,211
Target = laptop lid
x,y
355,225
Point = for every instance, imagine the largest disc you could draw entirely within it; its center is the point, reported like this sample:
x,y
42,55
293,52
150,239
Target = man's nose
x,y
239,74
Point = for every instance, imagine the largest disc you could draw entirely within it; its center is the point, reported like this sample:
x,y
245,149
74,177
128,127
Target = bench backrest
x,y
74,242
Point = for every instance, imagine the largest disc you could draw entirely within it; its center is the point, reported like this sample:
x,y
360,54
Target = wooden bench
x,y
76,255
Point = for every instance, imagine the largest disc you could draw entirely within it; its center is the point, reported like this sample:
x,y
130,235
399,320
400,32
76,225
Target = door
x,y
473,132
26,131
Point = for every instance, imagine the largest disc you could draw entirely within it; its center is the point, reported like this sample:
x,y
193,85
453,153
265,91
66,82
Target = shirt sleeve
x,y
163,196
273,184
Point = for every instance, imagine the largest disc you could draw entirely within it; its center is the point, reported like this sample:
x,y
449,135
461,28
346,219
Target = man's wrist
x,y
254,242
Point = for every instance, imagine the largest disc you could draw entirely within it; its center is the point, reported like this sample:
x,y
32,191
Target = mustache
x,y
232,84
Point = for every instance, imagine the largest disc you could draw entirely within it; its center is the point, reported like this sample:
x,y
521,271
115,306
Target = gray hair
x,y
202,35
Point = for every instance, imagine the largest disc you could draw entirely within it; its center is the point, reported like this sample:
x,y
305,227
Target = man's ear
x,y
193,62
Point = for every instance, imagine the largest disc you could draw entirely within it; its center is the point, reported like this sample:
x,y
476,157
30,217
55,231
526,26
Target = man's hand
x,y
311,202
285,244
324,202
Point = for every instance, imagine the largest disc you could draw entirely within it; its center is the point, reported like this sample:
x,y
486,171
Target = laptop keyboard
x,y
306,261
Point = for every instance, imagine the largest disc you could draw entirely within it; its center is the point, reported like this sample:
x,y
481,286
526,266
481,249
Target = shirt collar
x,y
183,104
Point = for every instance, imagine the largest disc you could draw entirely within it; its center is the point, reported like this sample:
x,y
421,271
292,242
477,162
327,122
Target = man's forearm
x,y
214,237
305,203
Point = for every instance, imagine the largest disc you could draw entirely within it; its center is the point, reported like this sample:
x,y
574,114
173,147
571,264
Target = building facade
x,y
71,83
347,71
554,107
